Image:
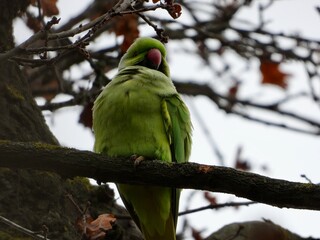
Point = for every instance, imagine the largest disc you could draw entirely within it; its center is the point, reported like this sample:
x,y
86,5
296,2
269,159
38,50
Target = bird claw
x,y
137,159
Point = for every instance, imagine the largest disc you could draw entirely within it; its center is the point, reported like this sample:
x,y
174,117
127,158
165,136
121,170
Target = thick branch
x,y
71,162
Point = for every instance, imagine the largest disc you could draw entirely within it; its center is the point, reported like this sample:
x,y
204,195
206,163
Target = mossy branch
x,y
71,162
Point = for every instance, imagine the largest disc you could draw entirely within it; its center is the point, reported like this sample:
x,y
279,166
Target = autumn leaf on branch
x,y
86,115
196,235
96,229
33,22
233,90
210,198
49,7
232,94
126,26
241,163
271,74
174,10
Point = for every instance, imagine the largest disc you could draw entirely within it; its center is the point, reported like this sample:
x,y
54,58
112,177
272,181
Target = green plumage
x,y
140,113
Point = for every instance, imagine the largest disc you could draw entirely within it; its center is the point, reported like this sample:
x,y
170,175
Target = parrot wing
x,y
178,126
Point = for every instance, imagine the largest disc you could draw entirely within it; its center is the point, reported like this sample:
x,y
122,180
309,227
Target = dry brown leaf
x,y
271,74
210,198
96,229
49,7
196,234
86,115
175,10
242,165
128,27
33,23
233,90
232,94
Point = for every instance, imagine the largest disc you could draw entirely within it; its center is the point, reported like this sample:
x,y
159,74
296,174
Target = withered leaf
x,y
271,74
96,229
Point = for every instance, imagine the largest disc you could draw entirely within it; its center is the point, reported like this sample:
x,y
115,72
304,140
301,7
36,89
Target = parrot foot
x,y
137,159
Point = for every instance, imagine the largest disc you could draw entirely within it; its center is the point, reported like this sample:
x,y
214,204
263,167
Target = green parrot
x,y
140,113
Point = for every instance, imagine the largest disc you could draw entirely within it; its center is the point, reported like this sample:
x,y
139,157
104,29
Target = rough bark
x,y
71,162
34,198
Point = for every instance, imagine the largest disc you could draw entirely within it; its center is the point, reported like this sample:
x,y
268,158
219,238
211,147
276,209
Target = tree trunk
x,y
32,198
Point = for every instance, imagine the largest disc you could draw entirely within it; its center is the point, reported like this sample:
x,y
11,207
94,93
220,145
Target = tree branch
x,y
71,162
216,206
23,230
192,88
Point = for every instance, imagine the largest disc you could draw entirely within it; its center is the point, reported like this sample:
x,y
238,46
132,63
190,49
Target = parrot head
x,y
147,52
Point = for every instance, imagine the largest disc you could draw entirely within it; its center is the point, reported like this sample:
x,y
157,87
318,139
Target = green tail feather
x,y
168,234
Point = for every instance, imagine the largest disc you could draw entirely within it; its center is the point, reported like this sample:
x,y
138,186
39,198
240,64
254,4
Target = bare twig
x,y
22,229
80,211
79,99
191,88
217,206
306,178
92,28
